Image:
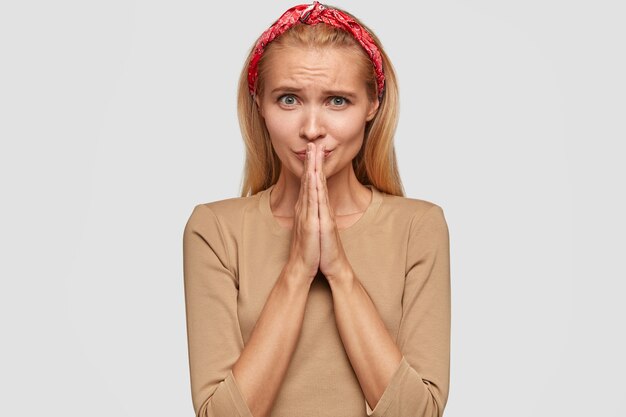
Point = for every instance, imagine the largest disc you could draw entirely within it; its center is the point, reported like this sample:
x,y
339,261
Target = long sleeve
x,y
419,387
213,333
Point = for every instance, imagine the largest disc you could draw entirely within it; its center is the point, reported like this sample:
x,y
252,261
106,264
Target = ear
x,y
258,104
373,108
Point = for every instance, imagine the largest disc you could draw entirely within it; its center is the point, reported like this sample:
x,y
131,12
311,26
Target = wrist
x,y
343,280
294,275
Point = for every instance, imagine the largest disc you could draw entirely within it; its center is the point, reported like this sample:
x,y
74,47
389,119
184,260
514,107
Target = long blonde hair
x,y
375,163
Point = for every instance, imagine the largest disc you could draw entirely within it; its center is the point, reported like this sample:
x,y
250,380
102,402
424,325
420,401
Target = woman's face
x,y
315,96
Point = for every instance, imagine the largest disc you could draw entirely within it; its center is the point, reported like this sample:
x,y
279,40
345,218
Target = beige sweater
x,y
233,252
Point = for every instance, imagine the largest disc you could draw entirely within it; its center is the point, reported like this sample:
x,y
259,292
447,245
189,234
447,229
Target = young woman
x,y
322,290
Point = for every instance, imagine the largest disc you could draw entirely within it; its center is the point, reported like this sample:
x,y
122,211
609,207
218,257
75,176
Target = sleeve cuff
x,y
390,391
237,396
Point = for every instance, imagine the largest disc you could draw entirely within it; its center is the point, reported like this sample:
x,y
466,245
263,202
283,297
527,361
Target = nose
x,y
312,127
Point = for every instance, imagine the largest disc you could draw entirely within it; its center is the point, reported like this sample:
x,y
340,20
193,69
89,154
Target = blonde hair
x,y
375,163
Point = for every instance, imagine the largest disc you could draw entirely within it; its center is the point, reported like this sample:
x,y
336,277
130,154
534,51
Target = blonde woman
x,y
322,290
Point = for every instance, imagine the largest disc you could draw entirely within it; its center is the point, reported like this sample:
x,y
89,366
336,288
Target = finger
x,y
303,176
311,189
330,212
320,163
322,191
303,183
302,196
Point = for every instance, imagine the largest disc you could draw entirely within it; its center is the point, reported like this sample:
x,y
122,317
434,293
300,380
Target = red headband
x,y
312,14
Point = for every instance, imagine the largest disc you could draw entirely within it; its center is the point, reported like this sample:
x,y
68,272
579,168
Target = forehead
x,y
308,68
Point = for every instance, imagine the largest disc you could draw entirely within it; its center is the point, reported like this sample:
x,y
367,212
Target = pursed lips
x,y
304,152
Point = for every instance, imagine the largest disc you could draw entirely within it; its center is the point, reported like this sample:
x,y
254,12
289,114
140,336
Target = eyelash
x,y
346,101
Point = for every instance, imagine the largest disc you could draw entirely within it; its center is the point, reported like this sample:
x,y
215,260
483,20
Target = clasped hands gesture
x,y
315,242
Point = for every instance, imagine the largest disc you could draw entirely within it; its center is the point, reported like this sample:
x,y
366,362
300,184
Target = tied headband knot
x,y
315,8
312,14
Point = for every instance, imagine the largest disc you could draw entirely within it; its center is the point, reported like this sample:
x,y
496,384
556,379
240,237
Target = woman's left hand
x,y
334,263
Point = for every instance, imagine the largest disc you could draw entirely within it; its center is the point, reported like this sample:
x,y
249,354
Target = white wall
x,y
117,117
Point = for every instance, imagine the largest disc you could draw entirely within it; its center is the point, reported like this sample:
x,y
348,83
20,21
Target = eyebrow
x,y
287,88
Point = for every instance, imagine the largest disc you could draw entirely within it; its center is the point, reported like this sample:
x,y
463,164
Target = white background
x,y
118,117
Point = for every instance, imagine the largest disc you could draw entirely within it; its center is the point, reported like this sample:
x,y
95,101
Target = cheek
x,y
279,127
349,128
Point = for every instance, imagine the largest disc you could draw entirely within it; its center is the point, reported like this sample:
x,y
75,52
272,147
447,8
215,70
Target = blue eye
x,y
345,100
291,98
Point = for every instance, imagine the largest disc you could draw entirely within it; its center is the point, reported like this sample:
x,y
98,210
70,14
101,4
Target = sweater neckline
x,y
363,221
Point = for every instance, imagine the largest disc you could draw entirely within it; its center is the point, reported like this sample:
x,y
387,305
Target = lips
x,y
302,154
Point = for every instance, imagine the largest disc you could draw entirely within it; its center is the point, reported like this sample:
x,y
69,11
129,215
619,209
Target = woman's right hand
x,y
304,257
